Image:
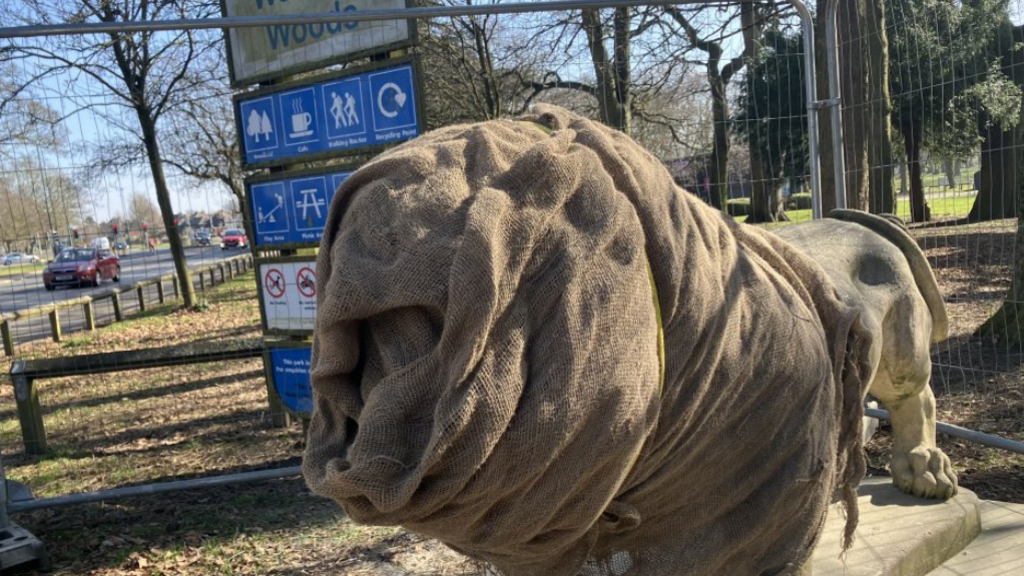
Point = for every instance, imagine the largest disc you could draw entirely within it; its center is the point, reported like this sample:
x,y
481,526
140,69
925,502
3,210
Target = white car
x,y
20,258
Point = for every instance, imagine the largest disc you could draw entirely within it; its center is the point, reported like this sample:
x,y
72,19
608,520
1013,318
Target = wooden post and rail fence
x,y
228,269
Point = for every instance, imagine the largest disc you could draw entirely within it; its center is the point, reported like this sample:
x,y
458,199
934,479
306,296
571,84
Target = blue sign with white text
x,y
291,378
293,210
364,109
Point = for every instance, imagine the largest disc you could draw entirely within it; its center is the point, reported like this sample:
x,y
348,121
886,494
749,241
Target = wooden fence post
x,y
176,287
90,317
213,277
30,415
116,301
55,325
8,338
141,291
160,291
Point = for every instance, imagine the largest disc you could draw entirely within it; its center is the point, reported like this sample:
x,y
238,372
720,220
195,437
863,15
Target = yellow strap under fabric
x,y
542,127
660,335
661,329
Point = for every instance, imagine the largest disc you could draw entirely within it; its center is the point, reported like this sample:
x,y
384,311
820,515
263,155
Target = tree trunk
x,y
163,198
765,195
999,175
912,133
1006,326
1000,172
719,160
881,198
947,167
612,111
853,73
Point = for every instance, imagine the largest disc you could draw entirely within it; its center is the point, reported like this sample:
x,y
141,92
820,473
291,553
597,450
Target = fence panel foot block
x,y
18,547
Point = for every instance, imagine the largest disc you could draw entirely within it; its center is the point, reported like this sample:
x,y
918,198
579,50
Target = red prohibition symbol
x,y
306,281
273,282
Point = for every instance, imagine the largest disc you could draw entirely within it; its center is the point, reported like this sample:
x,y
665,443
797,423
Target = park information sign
x,y
289,368
264,52
288,293
337,113
292,210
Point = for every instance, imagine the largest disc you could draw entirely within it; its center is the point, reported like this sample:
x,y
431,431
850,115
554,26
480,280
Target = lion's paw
x,y
924,472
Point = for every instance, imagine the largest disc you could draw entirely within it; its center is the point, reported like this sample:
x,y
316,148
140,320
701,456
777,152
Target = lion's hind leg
x,y
901,382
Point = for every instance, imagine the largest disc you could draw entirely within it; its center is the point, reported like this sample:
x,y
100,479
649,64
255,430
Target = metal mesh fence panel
x,y
175,160
931,109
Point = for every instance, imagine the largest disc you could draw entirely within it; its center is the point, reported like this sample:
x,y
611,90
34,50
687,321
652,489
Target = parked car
x,y
203,238
122,247
19,258
82,267
233,238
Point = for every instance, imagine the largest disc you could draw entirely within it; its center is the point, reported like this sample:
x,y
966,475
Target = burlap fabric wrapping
x,y
486,368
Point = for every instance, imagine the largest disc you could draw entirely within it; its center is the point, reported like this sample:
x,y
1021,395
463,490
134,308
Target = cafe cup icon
x,y
300,124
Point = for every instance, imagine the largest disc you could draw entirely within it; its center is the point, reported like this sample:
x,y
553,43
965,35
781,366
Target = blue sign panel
x,y
258,117
392,113
291,378
292,210
364,109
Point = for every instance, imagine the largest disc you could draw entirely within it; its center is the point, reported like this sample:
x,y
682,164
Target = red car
x,y
82,267
233,238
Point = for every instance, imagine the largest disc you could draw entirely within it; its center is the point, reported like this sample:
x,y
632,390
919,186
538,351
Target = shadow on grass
x,y
140,440
108,537
144,394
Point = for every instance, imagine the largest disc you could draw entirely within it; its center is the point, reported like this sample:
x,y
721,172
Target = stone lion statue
x,y
879,269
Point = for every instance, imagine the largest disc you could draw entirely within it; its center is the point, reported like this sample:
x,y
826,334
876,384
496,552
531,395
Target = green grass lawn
x,y
20,269
944,205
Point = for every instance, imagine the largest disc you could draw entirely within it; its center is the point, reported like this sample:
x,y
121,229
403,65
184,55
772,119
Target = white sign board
x,y
264,52
288,290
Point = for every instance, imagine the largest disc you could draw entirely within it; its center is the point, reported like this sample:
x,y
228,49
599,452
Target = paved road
x,y
21,292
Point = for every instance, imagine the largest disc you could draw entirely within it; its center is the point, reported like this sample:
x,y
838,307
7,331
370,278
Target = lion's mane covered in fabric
x,y
486,367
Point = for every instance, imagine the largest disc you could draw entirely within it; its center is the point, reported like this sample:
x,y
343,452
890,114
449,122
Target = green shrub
x,y
738,207
801,201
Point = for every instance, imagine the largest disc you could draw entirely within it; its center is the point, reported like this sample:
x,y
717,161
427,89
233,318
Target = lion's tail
x,y
894,230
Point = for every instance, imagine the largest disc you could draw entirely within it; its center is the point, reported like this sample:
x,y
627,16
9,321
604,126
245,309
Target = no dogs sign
x,y
288,294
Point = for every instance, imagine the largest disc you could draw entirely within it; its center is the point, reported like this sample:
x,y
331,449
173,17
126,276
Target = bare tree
x,y
466,68
149,73
203,142
142,210
720,71
35,202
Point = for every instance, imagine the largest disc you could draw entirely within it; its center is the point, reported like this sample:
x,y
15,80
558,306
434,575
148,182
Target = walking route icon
x,y
339,113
